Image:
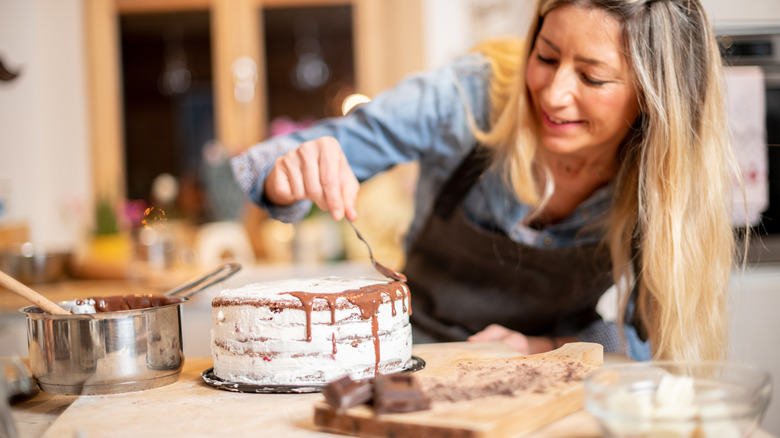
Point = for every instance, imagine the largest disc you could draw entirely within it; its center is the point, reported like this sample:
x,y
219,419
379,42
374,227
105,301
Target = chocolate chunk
x,y
398,392
345,393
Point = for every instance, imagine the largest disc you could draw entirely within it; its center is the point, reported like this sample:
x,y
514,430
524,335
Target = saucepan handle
x,y
198,284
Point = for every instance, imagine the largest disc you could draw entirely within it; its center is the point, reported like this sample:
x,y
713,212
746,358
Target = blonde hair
x,y
669,229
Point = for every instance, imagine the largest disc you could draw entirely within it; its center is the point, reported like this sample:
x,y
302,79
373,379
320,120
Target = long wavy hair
x,y
669,230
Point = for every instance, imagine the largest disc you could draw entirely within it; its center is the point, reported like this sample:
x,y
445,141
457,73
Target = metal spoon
x,y
384,270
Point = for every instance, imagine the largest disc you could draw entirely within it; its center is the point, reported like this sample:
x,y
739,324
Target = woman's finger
x,y
331,177
349,189
310,155
493,332
284,185
518,342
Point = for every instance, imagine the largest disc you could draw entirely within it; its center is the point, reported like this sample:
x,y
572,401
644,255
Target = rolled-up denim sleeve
x,y
423,115
250,170
607,334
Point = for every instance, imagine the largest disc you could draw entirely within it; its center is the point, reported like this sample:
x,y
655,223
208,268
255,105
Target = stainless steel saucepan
x,y
98,350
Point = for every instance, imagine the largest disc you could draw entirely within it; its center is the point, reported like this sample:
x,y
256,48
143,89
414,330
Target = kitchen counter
x,y
190,408
36,416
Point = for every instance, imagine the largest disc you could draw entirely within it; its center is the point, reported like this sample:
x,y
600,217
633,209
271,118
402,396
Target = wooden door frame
x,y
387,35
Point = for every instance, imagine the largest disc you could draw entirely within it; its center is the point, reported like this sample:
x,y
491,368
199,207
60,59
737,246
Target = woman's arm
x,y
423,116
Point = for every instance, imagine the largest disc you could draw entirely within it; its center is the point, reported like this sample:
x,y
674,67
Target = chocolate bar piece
x,y
398,393
345,393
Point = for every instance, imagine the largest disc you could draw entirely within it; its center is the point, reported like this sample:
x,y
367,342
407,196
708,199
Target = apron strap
x,y
462,179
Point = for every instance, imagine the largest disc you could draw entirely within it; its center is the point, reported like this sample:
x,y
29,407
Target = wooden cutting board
x,y
486,417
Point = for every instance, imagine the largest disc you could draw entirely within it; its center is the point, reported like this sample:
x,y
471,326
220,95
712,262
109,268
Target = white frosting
x,y
268,344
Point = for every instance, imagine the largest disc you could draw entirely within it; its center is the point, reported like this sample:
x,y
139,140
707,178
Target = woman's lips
x,y
559,124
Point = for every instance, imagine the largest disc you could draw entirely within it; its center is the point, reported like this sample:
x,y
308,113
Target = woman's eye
x,y
592,81
545,60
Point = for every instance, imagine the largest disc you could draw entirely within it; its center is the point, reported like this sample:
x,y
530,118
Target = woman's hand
x,y
318,171
515,340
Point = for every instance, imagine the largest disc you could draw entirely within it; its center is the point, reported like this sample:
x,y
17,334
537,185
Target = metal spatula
x,y
384,270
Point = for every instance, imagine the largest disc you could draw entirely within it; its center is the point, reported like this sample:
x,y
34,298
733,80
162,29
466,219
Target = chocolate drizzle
x,y
374,330
367,299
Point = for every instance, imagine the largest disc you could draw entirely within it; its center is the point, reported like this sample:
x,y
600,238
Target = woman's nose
x,y
560,91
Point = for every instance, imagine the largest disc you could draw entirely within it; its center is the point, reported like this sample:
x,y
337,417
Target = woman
x,y
595,155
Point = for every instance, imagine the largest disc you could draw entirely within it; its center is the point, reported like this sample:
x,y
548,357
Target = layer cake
x,y
311,331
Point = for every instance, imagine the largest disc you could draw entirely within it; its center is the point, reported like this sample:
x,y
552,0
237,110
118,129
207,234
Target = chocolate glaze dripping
x,y
406,296
307,301
367,299
375,332
332,305
404,292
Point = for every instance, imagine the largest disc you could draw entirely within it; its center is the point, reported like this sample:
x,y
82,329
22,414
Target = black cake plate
x,y
416,364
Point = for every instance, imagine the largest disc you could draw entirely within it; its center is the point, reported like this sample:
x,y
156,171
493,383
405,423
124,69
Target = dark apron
x,y
463,278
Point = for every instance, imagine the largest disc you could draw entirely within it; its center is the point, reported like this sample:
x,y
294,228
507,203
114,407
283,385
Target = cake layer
x,y
311,331
278,367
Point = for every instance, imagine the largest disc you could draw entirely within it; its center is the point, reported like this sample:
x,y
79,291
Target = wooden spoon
x,y
30,295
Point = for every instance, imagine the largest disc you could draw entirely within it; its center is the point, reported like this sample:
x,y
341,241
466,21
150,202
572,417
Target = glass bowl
x,y
675,399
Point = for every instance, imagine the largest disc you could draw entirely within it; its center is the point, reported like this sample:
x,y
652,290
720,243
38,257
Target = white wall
x,y
443,30
754,301
453,26
746,13
44,152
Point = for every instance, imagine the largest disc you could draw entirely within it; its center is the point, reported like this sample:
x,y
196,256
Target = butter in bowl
x,y
674,399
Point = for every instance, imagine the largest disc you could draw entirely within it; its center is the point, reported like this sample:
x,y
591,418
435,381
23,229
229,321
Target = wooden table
x,y
190,408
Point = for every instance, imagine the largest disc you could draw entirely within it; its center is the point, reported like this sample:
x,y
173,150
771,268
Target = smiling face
x,y
580,83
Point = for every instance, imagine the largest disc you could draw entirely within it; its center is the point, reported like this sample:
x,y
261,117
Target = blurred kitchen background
x,y
118,118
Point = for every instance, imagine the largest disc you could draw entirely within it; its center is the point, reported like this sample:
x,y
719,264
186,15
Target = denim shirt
x,y
425,118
